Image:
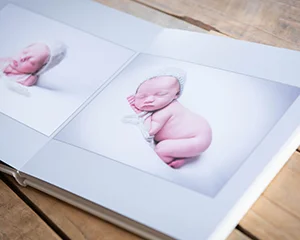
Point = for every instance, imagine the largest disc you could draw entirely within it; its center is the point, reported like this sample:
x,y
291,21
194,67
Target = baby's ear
x,y
30,81
177,95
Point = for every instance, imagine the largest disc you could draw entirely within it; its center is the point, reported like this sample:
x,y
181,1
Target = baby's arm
x,y
158,120
147,123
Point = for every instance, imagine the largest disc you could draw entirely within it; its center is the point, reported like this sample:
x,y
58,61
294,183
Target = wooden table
x,y
26,213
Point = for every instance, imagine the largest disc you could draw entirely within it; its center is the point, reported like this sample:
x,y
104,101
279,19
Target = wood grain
x,y
285,190
294,163
272,22
18,221
237,235
276,214
149,14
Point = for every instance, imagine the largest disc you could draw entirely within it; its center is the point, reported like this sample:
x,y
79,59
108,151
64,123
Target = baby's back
x,y
182,123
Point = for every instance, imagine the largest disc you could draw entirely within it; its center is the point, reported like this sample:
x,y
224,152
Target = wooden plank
x,y
276,214
272,22
18,221
294,163
266,220
285,190
237,235
148,14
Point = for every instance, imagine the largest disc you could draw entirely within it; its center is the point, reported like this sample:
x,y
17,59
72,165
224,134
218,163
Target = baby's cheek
x,y
163,102
25,68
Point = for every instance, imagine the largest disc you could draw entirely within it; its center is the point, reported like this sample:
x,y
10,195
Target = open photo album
x,y
168,133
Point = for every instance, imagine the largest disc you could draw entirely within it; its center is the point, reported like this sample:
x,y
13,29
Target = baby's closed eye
x,y
161,93
140,96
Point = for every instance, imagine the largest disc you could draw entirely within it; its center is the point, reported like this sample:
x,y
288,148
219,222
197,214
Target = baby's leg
x,y
174,151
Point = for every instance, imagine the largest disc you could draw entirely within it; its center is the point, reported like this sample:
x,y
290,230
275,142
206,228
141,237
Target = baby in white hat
x,y
26,67
179,134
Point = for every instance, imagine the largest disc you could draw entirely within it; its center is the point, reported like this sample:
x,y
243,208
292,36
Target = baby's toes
x,y
176,163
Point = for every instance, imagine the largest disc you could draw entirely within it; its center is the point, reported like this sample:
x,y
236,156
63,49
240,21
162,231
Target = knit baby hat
x,y
58,51
177,73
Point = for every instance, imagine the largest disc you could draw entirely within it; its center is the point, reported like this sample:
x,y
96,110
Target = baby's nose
x,y
22,58
149,99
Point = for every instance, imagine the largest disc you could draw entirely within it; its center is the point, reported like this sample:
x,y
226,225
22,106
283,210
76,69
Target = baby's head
x,y
31,59
38,58
160,90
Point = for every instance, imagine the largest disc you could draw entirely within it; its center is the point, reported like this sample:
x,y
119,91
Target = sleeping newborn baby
x,y
32,61
179,134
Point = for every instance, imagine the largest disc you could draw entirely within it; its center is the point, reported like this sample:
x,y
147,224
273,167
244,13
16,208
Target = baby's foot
x,y
177,163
